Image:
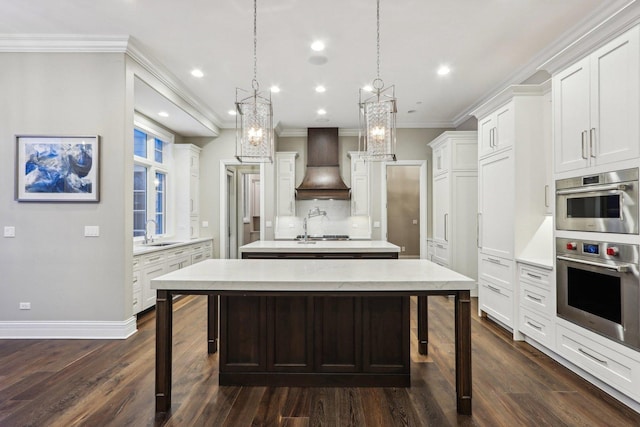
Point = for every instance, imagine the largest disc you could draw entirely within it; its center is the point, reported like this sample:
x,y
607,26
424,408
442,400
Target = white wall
x,y
49,263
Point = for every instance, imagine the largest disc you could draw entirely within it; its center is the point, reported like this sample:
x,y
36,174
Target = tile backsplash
x,y
338,220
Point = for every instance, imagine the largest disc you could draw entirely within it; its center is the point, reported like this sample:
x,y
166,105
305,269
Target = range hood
x,y
322,178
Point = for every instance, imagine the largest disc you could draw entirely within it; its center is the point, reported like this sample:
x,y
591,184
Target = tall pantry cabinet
x,y
455,187
512,181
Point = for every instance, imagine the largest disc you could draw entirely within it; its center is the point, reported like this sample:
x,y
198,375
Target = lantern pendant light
x,y
254,116
378,108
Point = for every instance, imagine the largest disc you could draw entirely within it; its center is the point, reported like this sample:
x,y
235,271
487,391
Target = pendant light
x,y
377,134
254,116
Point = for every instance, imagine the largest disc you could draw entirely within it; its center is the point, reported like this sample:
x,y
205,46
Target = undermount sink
x,y
161,243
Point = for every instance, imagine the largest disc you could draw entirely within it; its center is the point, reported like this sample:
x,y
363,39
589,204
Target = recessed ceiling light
x,y
317,46
368,88
163,114
321,89
232,112
275,89
443,70
322,112
196,72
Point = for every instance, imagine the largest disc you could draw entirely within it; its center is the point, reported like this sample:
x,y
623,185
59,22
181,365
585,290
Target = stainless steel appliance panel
x,y
606,202
598,288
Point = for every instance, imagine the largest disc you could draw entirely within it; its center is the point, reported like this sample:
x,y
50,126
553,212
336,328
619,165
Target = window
x,y
151,172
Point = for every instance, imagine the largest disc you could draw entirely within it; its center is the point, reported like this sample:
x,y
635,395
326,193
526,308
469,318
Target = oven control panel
x,y
599,250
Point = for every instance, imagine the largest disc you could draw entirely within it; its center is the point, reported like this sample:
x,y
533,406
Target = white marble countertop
x,y
320,246
546,263
292,275
175,243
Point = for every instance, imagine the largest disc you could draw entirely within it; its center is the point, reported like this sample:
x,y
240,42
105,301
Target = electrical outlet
x,y
205,224
9,231
25,306
403,249
91,231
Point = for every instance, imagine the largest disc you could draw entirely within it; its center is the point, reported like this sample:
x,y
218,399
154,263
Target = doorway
x,y
406,207
241,206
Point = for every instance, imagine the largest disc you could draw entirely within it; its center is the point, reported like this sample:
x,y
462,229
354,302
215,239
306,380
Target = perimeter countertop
x,y
292,275
274,246
174,243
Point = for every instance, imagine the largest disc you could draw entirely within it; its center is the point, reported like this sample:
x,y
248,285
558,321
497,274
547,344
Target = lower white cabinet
x,y
151,265
612,363
496,301
537,305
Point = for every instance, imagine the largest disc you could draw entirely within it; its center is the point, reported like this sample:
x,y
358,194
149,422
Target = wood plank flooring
x,y
111,383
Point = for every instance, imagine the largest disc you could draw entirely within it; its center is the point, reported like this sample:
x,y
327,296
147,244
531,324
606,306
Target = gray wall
x,y
49,263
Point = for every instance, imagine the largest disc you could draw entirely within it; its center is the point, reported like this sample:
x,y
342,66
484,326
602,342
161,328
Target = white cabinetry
x,y
596,105
187,190
511,192
359,184
286,183
537,303
455,189
149,266
495,131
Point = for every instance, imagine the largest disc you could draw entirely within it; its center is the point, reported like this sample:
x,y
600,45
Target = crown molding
x,y
74,43
507,94
45,43
611,9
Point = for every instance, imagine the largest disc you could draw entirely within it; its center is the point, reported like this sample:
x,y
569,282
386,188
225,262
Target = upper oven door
x,y
611,208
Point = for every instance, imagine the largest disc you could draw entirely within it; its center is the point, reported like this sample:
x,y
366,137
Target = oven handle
x,y
614,187
619,268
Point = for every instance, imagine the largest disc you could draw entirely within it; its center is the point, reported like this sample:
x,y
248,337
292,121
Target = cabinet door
x,y
615,100
496,204
359,195
485,136
441,159
441,208
194,190
504,128
571,117
148,294
285,198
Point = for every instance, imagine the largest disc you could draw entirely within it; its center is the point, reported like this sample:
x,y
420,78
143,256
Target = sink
x,y
161,243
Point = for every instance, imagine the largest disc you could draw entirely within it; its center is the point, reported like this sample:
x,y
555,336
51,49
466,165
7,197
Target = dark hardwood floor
x,y
111,383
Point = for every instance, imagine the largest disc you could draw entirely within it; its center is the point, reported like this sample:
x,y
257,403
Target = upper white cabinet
x,y
596,106
187,190
286,183
454,201
359,184
495,131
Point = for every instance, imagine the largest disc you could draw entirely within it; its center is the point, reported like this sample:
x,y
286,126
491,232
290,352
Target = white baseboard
x,y
94,330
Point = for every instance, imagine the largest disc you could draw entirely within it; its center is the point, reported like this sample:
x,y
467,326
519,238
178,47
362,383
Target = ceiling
x,y
487,44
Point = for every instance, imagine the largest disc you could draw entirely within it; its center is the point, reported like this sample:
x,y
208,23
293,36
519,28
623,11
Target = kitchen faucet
x,y
148,238
312,213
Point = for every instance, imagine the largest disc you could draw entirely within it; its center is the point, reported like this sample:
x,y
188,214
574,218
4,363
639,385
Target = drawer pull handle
x,y
493,260
135,280
536,299
178,253
154,259
535,276
536,327
440,246
494,289
603,362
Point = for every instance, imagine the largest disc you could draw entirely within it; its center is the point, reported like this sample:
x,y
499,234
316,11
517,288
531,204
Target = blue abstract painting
x,y
62,168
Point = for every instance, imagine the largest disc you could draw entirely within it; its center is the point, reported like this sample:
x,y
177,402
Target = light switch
x,y
91,231
376,224
415,221
9,231
268,224
205,224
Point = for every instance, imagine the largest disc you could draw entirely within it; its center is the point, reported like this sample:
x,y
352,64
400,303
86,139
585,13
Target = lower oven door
x,y
601,297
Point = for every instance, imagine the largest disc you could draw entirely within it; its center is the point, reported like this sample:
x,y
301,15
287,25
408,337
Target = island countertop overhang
x,y
334,276
329,246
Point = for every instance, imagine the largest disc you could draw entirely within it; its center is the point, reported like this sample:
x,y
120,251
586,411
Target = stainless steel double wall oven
x,y
598,282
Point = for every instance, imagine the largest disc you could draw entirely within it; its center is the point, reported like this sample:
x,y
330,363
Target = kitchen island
x,y
267,283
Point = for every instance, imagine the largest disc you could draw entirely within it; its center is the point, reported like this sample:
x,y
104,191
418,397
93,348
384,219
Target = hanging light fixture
x,y
377,135
254,115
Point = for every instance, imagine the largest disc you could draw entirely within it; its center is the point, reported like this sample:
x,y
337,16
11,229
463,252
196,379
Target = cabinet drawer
x,y
136,281
537,327
536,298
137,301
136,262
537,276
497,302
440,253
155,258
604,362
497,270
176,263
197,257
178,252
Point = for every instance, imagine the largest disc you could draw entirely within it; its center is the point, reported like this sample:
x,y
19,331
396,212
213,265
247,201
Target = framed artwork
x,y
57,168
